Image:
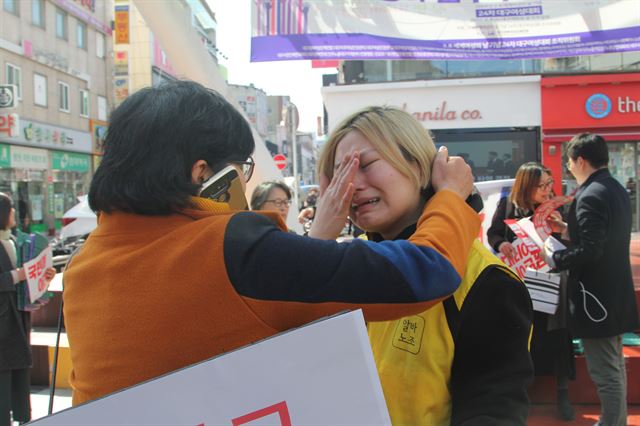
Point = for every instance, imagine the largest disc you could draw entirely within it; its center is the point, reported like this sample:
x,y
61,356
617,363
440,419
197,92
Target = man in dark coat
x,y
601,293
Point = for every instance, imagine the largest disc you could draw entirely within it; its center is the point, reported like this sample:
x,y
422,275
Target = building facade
x,y
471,83
58,55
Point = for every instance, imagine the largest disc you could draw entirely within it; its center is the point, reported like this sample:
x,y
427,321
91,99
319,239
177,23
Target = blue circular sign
x,y
598,105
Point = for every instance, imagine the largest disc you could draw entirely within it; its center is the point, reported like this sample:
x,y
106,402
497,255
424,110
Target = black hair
x,y
591,147
5,210
261,193
154,138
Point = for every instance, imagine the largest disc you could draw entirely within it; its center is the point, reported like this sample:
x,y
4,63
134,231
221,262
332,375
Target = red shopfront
x,y
605,104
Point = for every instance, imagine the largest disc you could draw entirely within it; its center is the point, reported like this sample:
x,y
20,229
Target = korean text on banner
x,y
35,270
441,29
322,373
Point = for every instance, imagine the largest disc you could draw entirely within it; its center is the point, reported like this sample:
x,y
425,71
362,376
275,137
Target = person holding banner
x,y
168,279
466,360
600,280
15,325
551,350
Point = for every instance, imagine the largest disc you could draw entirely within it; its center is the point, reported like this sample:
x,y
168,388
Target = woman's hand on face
x,y
507,249
335,199
451,173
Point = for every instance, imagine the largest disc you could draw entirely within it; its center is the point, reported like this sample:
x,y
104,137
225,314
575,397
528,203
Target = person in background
x,y
600,282
272,195
173,279
551,346
465,361
508,165
15,325
495,166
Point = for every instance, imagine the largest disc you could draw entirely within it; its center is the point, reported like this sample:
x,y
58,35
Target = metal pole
x,y
294,149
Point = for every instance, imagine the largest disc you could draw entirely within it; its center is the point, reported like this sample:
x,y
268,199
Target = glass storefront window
x,y
379,71
491,155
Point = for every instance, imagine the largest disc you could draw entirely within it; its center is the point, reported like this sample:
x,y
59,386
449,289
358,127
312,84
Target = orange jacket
x,y
147,295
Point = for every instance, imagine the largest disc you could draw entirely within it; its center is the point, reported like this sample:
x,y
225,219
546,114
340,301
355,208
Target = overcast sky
x,y
294,78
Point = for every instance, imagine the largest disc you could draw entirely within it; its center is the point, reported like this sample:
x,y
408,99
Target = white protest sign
x,y
319,374
524,258
35,270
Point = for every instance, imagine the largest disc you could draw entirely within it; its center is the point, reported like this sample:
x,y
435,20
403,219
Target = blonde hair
x,y
397,136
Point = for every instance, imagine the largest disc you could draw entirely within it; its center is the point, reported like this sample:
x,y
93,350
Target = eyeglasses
x,y
279,202
247,167
546,185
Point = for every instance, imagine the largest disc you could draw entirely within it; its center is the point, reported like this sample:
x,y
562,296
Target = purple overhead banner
x,y
441,29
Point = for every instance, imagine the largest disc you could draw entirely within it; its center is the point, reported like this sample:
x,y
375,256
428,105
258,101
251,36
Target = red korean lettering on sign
x,y
280,409
32,271
7,124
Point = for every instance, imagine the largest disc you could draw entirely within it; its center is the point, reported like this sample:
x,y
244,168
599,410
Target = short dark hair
x,y
154,138
5,210
591,147
261,193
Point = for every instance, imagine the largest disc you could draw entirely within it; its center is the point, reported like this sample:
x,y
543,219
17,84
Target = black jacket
x,y
499,232
15,351
599,228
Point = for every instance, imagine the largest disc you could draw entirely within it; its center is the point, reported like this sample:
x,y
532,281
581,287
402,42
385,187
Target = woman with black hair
x,y
15,325
168,278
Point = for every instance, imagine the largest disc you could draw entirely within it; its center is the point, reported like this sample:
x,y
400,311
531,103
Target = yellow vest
x,y
414,354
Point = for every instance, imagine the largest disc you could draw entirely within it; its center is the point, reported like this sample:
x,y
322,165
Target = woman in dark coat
x,y
15,352
551,345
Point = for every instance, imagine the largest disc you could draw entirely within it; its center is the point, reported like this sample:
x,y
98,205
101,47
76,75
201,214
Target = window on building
x,y
99,45
81,35
37,13
63,96
11,6
102,108
84,103
14,76
39,90
61,24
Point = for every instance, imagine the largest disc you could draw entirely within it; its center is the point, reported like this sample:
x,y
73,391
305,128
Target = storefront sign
x,y
74,9
121,89
88,4
47,136
29,158
121,63
446,104
5,155
122,24
98,133
9,124
70,162
443,113
441,29
587,102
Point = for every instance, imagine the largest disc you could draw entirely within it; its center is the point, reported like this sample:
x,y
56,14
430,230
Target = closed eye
x,y
365,165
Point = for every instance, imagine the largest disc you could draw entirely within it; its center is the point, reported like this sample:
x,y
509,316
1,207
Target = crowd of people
x,y
453,331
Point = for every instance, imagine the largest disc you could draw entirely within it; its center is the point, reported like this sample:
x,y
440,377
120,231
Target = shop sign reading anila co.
x,y
445,113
